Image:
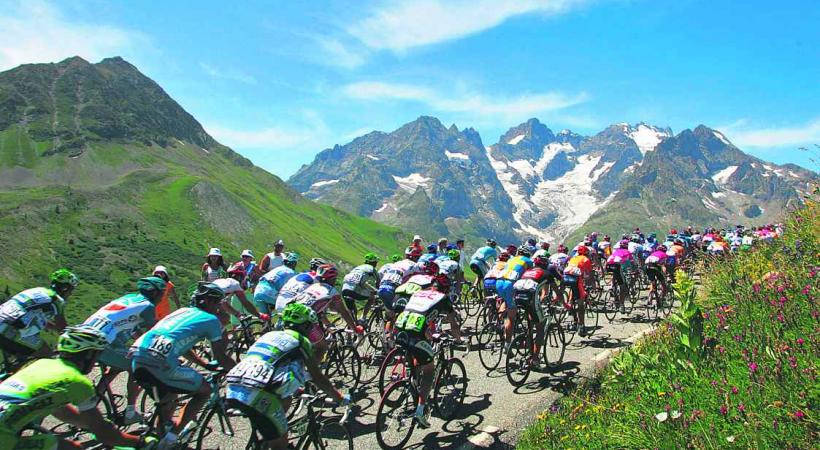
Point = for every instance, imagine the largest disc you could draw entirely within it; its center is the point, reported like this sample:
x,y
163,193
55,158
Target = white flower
x,y
662,416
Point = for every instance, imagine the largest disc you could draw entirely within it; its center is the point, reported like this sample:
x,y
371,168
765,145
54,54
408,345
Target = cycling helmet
x,y
673,231
371,258
412,253
80,339
524,251
652,235
299,314
583,250
452,246
151,287
504,256
562,248
593,235
623,244
290,260
454,254
636,238
443,282
531,242
432,248
327,273
625,236
430,268
678,241
545,245
491,242
512,250
607,238
316,262
395,257
63,278
662,248
207,292
237,272
541,261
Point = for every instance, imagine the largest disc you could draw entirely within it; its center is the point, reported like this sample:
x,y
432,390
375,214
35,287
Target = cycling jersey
x,y
176,334
23,316
414,284
656,258
361,280
516,267
36,391
485,254
541,253
635,248
121,318
293,287
275,362
450,268
317,296
415,314
620,256
267,290
428,257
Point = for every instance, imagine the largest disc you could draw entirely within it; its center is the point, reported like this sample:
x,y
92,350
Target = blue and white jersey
x,y
177,333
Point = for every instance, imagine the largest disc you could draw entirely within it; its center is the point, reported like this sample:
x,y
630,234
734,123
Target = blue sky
x,y
280,81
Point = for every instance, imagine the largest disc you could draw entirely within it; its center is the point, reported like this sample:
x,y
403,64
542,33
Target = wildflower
x,y
706,315
724,410
662,416
775,424
807,289
661,394
741,408
734,389
799,414
730,438
675,414
752,367
756,288
800,341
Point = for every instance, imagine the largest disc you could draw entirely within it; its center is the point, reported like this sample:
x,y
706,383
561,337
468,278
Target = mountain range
x,y
102,172
535,182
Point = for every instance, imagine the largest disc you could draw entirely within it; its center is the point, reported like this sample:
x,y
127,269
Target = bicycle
x,y
342,363
398,404
490,340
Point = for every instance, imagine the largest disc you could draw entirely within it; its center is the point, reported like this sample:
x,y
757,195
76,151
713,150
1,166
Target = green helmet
x,y
453,254
81,338
395,258
150,286
298,314
292,257
371,258
64,277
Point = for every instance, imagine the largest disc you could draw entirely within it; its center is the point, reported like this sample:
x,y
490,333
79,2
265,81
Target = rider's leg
x,y
455,329
191,409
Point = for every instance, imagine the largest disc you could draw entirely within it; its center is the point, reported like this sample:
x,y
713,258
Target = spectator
x,y
417,243
249,265
163,308
273,259
442,246
214,267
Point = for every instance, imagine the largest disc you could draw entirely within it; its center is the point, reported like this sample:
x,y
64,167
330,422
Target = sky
x,y
280,81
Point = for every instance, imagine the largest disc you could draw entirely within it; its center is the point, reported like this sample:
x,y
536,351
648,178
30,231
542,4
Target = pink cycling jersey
x,y
620,256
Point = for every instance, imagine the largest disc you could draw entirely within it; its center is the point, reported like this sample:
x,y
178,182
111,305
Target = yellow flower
x,y
562,422
577,427
564,437
661,394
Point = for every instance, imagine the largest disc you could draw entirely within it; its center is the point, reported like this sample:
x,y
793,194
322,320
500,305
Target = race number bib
x,y
392,277
411,321
161,345
252,372
98,323
424,300
353,278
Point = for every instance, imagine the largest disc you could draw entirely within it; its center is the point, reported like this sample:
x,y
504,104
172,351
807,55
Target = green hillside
x,y
111,196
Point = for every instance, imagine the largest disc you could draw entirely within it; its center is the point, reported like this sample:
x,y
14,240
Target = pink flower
x,y
800,341
753,367
734,389
724,409
783,300
741,408
756,287
799,414
807,289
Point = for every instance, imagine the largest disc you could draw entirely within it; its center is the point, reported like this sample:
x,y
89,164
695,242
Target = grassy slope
x,y
147,212
753,384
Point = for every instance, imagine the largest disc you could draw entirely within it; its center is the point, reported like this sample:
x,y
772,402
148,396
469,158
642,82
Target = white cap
x,y
247,252
280,242
417,238
215,252
160,269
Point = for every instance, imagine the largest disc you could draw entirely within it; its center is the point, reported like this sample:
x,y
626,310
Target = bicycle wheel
x,y
591,316
226,430
554,345
331,435
393,368
517,365
450,389
344,366
490,343
652,305
395,419
371,357
569,317
611,303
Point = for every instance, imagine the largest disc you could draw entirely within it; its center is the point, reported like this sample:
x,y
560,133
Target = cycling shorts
x,y
505,291
38,441
116,357
489,285
654,273
387,293
417,345
350,298
528,300
168,379
617,273
264,409
478,267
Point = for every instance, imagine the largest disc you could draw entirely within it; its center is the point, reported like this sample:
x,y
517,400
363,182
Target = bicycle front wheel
x,y
555,345
395,418
490,345
344,367
450,388
517,365
227,430
332,435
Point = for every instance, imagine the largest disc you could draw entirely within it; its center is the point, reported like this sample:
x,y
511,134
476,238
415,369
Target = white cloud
x,y
522,106
34,31
400,25
775,137
227,74
335,53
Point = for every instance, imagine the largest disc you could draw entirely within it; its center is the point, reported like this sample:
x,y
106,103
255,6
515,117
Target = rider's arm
x,y
93,421
220,353
339,306
59,323
194,358
226,305
249,307
321,380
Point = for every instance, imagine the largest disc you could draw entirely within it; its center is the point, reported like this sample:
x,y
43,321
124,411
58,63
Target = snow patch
x,y
516,139
523,167
374,158
710,204
794,175
722,176
722,138
451,156
647,138
602,170
718,194
384,206
411,182
323,183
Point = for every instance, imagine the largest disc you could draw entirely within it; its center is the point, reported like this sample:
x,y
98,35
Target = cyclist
x,y
24,316
605,246
579,267
555,270
121,320
392,275
232,287
59,387
295,286
448,265
155,357
483,259
515,267
527,287
314,264
214,266
320,296
415,334
619,263
656,269
494,273
163,308
269,285
543,250
431,255
275,368
361,284
424,279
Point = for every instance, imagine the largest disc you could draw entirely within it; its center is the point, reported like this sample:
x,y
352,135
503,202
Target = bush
x,y
734,368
